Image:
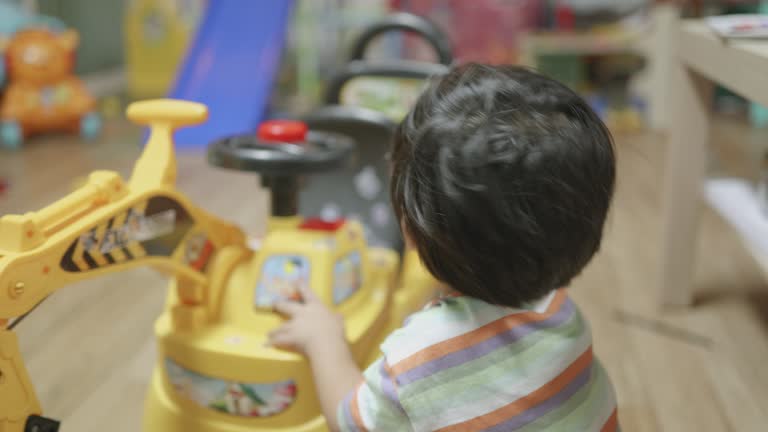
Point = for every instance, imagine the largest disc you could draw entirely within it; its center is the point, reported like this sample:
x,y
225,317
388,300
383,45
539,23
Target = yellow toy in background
x,y
213,371
157,34
43,94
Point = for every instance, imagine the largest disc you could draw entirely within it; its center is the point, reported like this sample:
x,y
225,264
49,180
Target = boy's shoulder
x,y
464,364
452,324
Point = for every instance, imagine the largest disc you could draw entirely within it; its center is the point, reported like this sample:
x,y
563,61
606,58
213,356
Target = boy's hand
x,y
318,333
311,327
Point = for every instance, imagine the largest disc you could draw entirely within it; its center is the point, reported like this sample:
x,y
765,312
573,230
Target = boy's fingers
x,y
283,332
287,308
280,340
307,294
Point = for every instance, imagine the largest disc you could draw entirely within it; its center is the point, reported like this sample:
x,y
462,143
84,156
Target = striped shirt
x,y
465,365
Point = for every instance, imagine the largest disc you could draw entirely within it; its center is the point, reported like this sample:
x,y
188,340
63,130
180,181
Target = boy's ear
x,y
68,40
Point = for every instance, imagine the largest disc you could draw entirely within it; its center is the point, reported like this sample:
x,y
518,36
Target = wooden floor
x,y
90,351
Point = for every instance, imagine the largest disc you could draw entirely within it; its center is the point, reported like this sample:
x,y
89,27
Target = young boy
x,y
502,179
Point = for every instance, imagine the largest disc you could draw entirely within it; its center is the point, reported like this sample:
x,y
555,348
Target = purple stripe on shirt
x,y
485,347
407,320
534,413
388,388
346,409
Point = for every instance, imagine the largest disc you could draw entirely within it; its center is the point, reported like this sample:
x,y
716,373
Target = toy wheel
x,y
11,135
90,126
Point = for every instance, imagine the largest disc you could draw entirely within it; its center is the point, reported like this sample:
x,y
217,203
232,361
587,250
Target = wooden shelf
x,y
740,65
581,43
701,59
649,39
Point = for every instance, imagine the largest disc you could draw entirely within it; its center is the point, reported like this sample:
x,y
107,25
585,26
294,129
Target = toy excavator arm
x,y
107,226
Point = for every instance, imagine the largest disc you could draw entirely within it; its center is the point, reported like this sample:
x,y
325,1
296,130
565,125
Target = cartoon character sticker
x,y
198,251
391,96
347,277
240,399
154,26
282,278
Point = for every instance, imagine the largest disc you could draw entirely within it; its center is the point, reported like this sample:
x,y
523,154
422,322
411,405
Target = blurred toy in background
x,y
157,35
614,102
42,94
12,19
586,14
306,65
111,107
389,85
480,30
231,66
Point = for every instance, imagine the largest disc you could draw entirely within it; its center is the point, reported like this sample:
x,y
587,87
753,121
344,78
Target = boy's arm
x,y
365,401
336,375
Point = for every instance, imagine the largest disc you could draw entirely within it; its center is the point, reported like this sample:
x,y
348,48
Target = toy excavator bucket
x,y
157,165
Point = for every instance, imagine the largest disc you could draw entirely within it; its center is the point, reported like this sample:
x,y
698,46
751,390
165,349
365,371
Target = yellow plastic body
x,y
212,326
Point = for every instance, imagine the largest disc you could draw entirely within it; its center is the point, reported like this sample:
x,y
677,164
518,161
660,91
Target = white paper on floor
x,y
736,201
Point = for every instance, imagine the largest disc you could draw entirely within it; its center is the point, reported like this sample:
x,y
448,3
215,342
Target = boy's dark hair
x,y
502,178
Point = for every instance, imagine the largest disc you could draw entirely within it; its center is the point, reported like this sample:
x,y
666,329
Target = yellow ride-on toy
x,y
213,372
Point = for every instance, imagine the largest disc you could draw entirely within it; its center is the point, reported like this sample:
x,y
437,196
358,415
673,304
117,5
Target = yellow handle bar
x,y
157,165
168,112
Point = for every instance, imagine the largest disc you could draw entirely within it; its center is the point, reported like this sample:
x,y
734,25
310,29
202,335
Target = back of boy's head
x,y
502,179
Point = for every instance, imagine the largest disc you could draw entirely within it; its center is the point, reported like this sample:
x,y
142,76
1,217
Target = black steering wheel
x,y
283,148
281,152
409,23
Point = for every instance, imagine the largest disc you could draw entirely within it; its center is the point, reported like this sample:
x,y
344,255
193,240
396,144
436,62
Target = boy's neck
x,y
446,291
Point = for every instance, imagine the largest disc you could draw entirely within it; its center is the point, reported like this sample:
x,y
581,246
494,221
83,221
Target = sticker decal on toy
x,y
156,229
381,214
154,26
282,278
389,95
367,183
229,397
330,212
347,277
137,228
198,251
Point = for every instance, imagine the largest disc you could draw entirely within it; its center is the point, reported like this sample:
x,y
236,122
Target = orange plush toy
x,y
43,95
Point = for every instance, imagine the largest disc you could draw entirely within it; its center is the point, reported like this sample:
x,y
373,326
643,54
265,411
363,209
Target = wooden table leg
x,y
658,53
686,165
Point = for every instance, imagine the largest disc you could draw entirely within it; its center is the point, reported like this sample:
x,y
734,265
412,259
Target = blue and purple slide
x,y
231,66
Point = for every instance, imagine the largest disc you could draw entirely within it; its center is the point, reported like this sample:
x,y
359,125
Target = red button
x,y
317,224
283,131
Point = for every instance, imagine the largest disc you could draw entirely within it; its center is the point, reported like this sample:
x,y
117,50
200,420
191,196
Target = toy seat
x,y
359,189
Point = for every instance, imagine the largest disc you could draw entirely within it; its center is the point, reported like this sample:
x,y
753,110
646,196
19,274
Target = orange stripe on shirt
x,y
612,424
390,374
355,410
526,402
480,334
